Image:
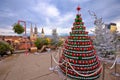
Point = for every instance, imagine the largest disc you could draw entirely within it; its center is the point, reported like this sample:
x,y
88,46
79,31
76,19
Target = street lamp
x,y
20,21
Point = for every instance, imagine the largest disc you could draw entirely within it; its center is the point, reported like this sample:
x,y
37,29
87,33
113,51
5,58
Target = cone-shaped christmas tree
x,y
80,53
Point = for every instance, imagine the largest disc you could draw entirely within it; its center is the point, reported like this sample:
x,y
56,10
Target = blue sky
x,y
60,14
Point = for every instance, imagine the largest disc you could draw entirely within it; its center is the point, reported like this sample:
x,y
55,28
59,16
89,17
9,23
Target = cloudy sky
x,y
60,14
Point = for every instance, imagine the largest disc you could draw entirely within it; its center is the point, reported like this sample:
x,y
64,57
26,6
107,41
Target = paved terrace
x,y
35,67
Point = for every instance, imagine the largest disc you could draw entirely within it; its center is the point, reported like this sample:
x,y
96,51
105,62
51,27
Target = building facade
x,y
33,34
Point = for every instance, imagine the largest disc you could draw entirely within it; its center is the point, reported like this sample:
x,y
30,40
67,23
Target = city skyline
x,y
50,14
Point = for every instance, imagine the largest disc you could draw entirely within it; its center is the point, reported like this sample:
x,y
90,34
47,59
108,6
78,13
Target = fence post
x,y
66,68
103,77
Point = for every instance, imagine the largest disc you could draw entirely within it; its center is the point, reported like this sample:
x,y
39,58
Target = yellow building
x,y
113,27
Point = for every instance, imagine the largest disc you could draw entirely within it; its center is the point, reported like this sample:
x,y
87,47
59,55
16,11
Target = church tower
x,y
55,35
42,33
35,32
31,32
35,29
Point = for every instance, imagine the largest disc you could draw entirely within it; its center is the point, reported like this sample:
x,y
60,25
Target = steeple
x,y
35,29
31,30
42,32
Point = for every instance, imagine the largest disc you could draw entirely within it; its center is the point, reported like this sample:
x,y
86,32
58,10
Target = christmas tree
x,y
80,54
106,38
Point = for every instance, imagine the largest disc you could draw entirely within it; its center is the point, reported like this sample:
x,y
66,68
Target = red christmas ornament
x,y
79,62
83,55
89,61
87,32
83,62
74,62
72,72
81,68
80,43
72,54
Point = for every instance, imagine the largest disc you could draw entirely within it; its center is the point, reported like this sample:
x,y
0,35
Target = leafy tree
x,y
40,42
5,47
18,28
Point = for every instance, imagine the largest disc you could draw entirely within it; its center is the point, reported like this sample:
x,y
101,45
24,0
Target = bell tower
x,y
42,33
31,32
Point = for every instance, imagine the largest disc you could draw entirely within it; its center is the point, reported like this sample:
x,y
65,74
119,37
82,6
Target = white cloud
x,y
8,31
80,1
61,30
46,9
51,14
90,30
66,18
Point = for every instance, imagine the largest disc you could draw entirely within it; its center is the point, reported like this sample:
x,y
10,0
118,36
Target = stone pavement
x,y
27,67
36,67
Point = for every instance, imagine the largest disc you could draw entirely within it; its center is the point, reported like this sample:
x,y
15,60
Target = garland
x,y
83,65
85,78
83,61
78,55
78,46
78,30
84,58
82,70
79,51
85,75
78,35
79,38
79,42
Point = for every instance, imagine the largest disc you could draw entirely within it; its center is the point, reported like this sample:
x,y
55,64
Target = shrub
x,y
59,43
4,48
56,43
40,42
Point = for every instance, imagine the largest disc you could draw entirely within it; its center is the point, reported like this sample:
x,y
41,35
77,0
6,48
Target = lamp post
x,y
51,63
20,21
116,74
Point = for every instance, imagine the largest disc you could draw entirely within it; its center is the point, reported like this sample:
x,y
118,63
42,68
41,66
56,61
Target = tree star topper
x,y
78,8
